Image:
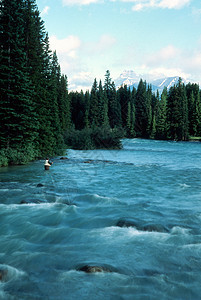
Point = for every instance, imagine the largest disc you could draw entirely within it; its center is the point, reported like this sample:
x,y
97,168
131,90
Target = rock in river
x,y
93,269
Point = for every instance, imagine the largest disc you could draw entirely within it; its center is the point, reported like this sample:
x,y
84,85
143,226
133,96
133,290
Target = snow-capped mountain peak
x,y
130,78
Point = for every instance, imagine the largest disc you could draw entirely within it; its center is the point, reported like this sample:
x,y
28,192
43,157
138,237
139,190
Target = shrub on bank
x,y
93,138
14,156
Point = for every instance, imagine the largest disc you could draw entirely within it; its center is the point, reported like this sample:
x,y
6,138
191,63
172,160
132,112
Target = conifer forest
x,y
40,117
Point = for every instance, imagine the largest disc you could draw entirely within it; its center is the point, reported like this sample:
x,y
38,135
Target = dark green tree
x,y
161,116
114,107
94,105
103,106
18,125
177,113
141,117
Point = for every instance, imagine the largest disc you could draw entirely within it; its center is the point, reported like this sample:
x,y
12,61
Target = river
x,y
134,213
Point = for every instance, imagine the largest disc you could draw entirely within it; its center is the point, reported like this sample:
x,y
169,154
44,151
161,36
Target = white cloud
x,y
168,53
173,4
102,46
79,2
105,42
167,72
170,4
45,11
171,61
81,81
67,46
138,4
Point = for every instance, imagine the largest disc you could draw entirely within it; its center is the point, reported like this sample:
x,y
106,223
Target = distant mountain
x,y
128,78
167,82
131,79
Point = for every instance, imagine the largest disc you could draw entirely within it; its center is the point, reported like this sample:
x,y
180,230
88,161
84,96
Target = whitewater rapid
x,y
134,212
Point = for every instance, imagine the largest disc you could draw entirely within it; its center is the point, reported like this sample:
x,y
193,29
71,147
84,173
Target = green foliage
x,y
34,102
3,158
177,113
19,156
97,138
106,138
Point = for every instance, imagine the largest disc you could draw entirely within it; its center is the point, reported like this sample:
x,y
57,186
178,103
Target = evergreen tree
x,y
18,125
161,116
149,111
64,104
94,106
86,114
130,120
124,96
103,106
141,118
114,108
177,113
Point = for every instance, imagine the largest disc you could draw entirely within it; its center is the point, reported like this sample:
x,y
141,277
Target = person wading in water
x,y
47,164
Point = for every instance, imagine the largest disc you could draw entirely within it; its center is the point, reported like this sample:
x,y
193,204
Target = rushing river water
x,y
135,213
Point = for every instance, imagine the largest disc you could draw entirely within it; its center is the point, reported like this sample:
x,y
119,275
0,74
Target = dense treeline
x,y
173,115
34,105
38,116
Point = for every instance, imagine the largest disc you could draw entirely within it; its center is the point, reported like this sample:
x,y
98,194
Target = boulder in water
x,y
31,202
146,227
88,161
154,227
63,157
126,223
40,185
69,203
93,269
3,274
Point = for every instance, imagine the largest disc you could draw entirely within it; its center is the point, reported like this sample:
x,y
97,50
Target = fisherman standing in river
x,y
47,164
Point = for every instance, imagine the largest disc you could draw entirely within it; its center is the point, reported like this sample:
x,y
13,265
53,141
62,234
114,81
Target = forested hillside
x,y
34,106
39,117
173,115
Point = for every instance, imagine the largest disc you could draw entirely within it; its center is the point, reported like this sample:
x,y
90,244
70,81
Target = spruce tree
x,y
177,113
141,118
161,116
103,106
18,119
114,108
94,108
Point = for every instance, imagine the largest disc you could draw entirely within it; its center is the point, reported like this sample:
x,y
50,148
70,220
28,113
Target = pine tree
x,y
103,106
141,118
114,108
94,109
149,111
177,113
18,119
86,114
161,116
124,96
55,77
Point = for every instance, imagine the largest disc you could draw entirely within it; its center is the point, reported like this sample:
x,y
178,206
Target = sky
x,y
154,38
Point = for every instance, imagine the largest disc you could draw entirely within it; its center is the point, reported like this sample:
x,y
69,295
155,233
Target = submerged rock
x,y
31,202
63,157
154,227
40,185
3,274
88,161
94,269
126,223
70,203
146,227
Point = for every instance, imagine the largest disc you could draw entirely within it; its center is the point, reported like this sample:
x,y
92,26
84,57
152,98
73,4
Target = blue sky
x,y
154,38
